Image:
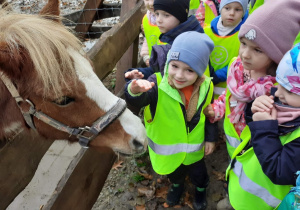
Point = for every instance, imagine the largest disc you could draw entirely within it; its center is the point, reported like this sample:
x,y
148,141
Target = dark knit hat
x,y
177,8
192,48
273,27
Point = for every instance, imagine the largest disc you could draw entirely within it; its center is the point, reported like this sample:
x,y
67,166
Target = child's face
x,y
232,14
149,5
253,58
287,97
165,21
181,74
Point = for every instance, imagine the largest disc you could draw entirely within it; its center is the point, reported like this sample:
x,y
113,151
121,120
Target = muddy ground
x,y
132,183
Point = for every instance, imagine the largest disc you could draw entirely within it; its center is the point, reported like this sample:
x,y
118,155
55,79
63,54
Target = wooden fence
x,y
84,175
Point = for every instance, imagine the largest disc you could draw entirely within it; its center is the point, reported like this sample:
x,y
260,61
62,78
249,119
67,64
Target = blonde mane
x,y
47,43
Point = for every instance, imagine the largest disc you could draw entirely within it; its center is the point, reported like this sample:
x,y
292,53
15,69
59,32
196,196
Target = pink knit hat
x,y
273,27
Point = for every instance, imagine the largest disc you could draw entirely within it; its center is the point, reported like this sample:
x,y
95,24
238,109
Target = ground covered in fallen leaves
x,y
132,184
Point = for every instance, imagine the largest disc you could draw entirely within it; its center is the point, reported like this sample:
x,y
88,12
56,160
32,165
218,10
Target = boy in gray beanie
x,y
178,133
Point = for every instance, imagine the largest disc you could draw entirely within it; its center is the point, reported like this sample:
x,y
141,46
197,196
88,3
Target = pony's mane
x,y
47,42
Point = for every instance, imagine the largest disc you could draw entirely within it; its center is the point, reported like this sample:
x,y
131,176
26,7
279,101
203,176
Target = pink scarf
x,y
245,92
286,114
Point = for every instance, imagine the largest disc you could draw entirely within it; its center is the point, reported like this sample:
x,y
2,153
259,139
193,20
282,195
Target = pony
x,y
48,84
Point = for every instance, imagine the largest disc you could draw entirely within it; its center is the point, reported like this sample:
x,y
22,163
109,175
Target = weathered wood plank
x,y
87,17
127,61
114,43
18,162
83,180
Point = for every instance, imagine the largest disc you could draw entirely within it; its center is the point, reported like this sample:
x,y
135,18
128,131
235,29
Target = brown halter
x,y
84,134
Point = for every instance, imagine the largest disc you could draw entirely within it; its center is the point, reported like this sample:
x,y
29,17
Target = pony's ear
x,y
51,10
12,60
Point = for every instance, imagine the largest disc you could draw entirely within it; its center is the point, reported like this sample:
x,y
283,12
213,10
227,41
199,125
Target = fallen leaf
x,y
187,200
219,175
146,191
140,207
165,205
162,192
146,176
117,165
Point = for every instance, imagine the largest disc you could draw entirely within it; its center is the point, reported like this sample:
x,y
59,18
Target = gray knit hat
x,y
244,4
192,48
273,27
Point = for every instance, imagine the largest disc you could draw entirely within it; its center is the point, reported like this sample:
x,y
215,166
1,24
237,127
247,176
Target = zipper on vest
x,y
185,118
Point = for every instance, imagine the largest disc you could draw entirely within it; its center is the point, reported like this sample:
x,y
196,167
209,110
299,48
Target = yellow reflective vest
x,y
257,4
209,15
152,34
249,188
194,4
226,48
233,139
170,142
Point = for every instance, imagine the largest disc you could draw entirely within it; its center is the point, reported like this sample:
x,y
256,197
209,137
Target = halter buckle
x,y
85,136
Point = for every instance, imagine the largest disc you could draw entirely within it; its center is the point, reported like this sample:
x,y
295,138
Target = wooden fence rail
x,y
84,177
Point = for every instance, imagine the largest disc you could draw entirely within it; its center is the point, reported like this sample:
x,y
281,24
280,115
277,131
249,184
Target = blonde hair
x,y
47,43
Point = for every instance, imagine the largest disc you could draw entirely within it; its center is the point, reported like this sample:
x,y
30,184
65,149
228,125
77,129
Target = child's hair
x,y
244,4
192,48
288,71
177,8
273,27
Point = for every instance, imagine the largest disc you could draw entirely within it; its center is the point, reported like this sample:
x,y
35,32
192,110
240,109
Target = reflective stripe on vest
x,y
232,141
152,34
170,139
194,4
175,148
247,181
253,188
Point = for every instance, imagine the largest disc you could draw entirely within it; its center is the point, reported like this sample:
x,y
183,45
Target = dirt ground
x,y
133,185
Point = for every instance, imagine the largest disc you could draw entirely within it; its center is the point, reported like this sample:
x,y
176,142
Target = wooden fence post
x,y
129,59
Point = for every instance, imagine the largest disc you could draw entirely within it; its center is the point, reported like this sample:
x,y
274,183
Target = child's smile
x,y
181,74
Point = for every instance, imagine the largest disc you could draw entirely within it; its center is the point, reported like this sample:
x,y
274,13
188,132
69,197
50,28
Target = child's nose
x,y
246,53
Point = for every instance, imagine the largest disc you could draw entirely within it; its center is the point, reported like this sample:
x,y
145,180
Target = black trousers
x,y
196,171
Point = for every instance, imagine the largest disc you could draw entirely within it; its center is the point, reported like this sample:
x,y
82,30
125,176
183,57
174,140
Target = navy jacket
x,y
160,51
151,97
279,163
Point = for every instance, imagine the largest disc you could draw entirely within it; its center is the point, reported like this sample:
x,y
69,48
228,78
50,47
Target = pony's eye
x,y
64,100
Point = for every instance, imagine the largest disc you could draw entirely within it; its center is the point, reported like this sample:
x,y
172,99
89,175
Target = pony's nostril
x,y
137,145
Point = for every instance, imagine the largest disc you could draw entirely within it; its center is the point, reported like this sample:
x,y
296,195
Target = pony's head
x,y
44,63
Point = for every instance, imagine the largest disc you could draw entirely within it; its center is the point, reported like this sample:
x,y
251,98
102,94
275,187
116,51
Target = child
x,y
207,11
250,76
223,30
151,32
178,133
172,19
275,130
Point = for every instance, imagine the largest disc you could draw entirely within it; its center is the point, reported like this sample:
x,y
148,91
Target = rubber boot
x,y
174,194
200,202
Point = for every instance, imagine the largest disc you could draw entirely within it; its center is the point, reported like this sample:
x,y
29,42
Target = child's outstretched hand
x,y
134,74
259,116
209,111
262,104
209,147
140,86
